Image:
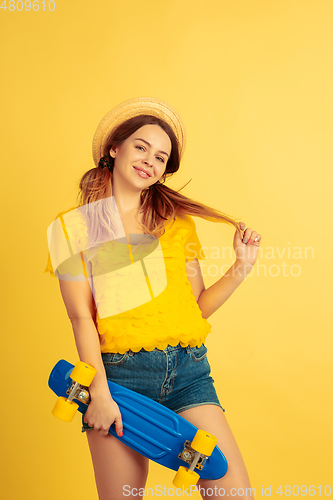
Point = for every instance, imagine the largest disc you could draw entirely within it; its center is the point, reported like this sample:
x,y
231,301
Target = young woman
x,y
140,326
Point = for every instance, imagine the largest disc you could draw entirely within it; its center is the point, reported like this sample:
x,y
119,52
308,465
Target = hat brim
x,y
129,109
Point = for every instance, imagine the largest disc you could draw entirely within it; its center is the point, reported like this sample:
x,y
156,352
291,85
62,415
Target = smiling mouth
x,y
142,173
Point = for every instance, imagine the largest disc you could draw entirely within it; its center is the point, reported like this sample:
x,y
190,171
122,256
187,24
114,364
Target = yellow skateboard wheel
x,y
64,409
83,373
185,477
204,442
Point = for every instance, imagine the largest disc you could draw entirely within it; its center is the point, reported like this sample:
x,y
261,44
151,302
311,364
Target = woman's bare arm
x,y
81,310
210,299
80,306
246,248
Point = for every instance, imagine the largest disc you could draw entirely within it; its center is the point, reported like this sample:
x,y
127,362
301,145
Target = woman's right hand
x,y
102,412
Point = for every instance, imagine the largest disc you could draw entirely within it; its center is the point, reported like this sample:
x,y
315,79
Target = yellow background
x,y
252,81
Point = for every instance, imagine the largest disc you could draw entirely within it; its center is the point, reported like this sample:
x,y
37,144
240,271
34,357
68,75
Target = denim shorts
x,y
177,377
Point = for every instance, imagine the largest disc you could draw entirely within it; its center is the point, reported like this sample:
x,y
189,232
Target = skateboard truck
x,y
192,457
195,453
78,391
82,376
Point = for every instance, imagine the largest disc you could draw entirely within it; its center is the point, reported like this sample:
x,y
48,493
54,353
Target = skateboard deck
x,y
149,428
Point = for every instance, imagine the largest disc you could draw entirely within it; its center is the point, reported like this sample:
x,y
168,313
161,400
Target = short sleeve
x,y
49,268
62,262
192,247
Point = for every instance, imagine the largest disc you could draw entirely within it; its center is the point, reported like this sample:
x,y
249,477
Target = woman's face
x,y
141,159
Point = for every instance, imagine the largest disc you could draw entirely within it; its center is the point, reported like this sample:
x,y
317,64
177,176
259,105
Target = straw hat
x,y
129,109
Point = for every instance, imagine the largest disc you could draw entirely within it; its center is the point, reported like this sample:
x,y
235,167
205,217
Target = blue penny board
x,y
150,428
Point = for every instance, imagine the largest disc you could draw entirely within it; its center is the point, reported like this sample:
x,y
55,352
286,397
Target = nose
x,y
148,161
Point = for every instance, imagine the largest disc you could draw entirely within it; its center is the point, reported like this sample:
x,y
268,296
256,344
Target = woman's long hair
x,y
159,203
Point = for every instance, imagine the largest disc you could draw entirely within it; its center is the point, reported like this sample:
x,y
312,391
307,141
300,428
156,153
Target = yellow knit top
x,y
165,310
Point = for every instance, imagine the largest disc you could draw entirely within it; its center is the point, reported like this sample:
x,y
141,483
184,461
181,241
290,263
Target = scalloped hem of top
x,y
161,348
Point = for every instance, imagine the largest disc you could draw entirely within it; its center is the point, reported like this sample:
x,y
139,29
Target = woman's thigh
x,y
118,469
212,419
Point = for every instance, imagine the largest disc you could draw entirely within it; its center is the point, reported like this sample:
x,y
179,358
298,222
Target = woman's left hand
x,y
246,245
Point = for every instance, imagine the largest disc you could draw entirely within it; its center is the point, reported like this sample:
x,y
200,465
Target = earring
x,y
105,162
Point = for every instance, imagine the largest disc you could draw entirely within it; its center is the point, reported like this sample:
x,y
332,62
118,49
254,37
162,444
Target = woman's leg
x,y
116,467
211,418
